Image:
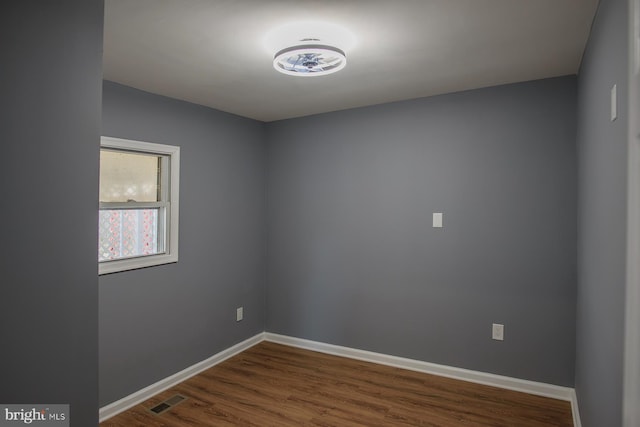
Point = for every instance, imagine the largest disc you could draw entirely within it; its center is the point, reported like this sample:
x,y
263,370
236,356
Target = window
x,y
138,220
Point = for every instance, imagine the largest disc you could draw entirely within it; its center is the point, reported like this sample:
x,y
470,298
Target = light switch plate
x,y
614,102
437,219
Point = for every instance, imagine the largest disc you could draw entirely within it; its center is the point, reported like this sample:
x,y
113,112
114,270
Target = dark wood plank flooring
x,y
275,385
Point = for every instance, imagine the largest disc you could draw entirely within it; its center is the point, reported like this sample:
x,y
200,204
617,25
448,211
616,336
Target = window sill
x,y
117,266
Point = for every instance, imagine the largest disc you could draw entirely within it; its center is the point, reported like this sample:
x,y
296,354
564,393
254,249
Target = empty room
x,y
336,213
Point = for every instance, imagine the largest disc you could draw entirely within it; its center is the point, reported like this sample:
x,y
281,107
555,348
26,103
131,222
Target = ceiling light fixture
x,y
309,60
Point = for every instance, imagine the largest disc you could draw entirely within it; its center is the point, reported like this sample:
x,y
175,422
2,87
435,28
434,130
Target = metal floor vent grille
x,y
167,404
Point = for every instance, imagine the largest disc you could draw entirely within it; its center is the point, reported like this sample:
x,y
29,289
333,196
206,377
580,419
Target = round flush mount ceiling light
x,y
308,60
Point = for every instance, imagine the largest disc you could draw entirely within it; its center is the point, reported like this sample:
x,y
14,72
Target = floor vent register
x,y
167,404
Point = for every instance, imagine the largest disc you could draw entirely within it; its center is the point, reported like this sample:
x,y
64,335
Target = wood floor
x,y
275,385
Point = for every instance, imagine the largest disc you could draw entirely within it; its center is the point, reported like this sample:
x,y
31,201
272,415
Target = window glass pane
x,y
126,176
126,233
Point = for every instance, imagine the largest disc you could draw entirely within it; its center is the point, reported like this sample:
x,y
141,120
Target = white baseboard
x,y
140,396
574,409
525,386
531,387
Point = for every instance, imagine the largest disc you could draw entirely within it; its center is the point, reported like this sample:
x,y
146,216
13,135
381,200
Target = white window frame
x,y
170,201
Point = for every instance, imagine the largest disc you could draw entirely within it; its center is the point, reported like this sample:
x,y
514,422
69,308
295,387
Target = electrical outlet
x,y
497,332
239,314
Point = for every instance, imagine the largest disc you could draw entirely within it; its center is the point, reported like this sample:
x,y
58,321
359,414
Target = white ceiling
x,y
219,53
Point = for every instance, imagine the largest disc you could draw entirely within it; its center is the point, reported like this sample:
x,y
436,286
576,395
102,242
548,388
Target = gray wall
x,y
157,321
50,85
602,154
353,259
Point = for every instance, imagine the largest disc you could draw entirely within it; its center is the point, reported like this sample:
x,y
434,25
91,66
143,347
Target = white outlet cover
x,y
497,332
239,314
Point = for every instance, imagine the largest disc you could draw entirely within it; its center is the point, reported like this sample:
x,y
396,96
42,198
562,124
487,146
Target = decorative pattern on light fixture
x,y
309,60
